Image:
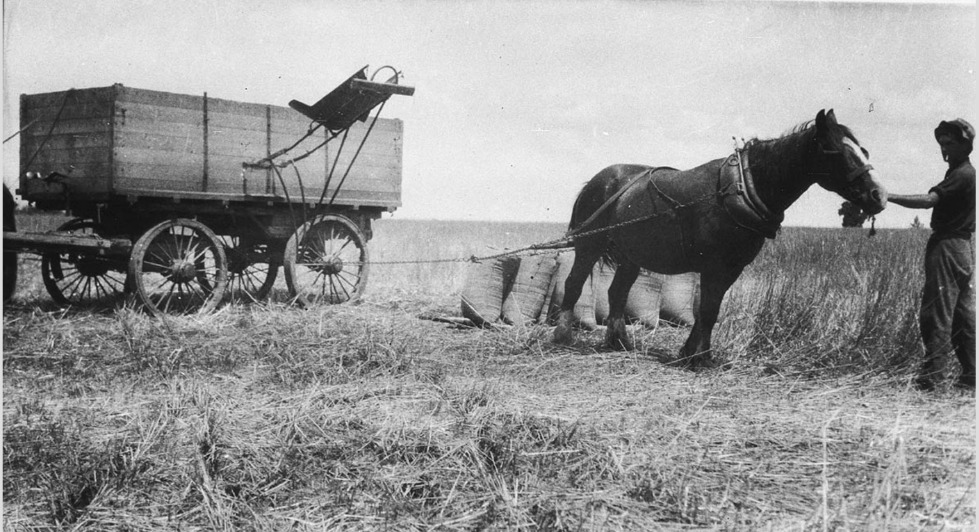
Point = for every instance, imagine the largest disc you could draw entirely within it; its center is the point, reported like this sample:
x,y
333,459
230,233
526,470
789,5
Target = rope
x,y
21,130
350,165
270,160
549,245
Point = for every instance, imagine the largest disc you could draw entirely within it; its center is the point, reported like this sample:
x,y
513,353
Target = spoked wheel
x,y
326,261
179,267
251,268
78,278
9,257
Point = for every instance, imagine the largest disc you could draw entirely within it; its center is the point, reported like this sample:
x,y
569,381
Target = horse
x,y
712,219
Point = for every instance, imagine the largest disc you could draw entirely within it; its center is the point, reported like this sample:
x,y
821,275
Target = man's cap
x,y
958,129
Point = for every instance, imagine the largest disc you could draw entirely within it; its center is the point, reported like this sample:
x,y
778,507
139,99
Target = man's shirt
x,y
955,213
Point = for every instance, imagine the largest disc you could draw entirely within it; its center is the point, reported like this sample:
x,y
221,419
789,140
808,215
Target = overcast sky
x,y
519,103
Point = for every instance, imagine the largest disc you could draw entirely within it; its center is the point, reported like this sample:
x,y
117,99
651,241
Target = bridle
x,y
850,176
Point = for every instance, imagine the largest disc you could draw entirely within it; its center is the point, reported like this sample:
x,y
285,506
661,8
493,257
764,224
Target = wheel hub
x,y
237,261
332,265
183,271
91,266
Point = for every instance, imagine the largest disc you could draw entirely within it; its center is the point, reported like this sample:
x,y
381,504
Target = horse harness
x,y
850,177
740,199
735,190
603,207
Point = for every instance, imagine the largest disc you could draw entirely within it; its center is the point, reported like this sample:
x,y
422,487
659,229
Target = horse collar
x,y
743,204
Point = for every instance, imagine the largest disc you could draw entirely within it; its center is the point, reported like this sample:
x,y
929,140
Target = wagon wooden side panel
x,y
373,176
122,141
158,143
70,134
179,199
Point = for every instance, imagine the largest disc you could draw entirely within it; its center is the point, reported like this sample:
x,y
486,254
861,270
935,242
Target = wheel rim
x,y
326,261
179,267
73,278
9,257
251,271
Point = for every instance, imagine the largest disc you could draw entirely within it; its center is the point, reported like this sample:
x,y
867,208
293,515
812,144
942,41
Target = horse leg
x,y
584,260
616,335
696,352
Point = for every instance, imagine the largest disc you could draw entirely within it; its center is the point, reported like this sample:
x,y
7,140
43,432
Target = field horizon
x,y
266,416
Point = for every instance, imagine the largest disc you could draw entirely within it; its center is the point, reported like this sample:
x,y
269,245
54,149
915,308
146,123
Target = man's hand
x,y
914,201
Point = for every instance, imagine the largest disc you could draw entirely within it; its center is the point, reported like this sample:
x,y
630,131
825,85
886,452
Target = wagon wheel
x,y
78,278
251,268
179,266
9,257
326,261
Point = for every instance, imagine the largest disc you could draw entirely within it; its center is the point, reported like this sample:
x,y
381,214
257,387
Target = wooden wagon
x,y
181,200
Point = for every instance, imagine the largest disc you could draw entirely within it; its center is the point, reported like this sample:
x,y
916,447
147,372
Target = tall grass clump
x,y
818,299
266,417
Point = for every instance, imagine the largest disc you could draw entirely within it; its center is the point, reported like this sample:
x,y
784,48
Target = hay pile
x,y
270,418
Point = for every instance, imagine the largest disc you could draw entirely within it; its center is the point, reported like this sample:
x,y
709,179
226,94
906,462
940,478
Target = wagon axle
x,y
182,271
88,265
328,266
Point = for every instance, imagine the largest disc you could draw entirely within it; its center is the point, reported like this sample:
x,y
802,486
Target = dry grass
x,y
266,417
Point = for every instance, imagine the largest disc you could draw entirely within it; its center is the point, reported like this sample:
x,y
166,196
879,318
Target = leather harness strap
x,y
598,212
740,198
751,195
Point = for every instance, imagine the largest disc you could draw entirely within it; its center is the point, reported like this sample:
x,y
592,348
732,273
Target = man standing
x,y
948,306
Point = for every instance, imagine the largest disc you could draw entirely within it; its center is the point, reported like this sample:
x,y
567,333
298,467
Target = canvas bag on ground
x,y
525,300
584,310
601,278
643,303
680,298
486,286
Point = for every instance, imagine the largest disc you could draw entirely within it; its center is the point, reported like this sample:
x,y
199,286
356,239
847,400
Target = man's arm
x,y
914,201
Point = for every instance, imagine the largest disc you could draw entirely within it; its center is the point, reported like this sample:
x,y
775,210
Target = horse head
x,y
841,165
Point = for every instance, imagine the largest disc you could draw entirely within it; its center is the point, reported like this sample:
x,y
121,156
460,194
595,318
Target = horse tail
x,y
576,217
589,212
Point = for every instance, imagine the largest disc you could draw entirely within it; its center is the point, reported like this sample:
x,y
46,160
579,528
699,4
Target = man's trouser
x,y
948,307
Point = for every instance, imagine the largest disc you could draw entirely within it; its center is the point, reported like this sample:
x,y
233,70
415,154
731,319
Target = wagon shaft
x,y
53,242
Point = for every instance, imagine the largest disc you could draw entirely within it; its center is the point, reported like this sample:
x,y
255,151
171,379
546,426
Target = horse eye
x,y
865,152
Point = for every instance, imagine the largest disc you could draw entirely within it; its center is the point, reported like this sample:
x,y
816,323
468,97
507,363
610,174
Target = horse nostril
x,y
875,194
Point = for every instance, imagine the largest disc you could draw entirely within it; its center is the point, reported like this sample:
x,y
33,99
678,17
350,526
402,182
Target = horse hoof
x,y
695,362
698,364
563,336
619,344
617,337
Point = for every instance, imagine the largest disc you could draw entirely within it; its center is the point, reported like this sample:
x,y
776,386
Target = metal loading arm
x,y
351,101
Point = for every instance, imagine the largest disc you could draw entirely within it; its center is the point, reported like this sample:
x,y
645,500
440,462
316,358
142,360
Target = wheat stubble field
x,y
370,417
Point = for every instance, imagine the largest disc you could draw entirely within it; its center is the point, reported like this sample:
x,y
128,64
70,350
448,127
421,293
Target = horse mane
x,y
770,154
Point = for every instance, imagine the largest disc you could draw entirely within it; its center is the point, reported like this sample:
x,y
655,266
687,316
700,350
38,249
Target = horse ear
x,y
821,121
824,121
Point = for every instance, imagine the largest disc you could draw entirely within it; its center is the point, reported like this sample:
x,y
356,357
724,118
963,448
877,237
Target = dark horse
x,y
712,219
